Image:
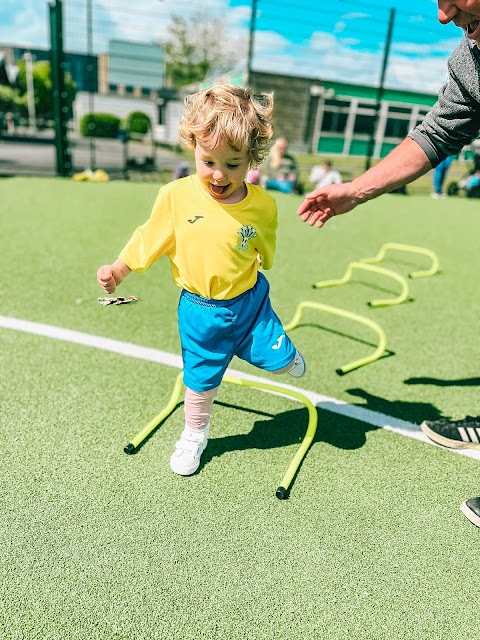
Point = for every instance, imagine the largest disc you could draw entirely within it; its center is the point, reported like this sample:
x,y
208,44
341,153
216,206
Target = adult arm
x,y
404,164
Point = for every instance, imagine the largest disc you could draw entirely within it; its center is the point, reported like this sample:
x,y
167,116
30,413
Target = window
x,y
334,121
396,128
406,110
331,104
335,115
364,123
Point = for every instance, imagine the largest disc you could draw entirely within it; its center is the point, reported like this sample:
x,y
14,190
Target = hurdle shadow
x,y
438,382
387,354
411,265
288,428
415,412
376,287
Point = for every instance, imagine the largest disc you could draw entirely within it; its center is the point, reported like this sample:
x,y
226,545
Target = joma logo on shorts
x,y
279,342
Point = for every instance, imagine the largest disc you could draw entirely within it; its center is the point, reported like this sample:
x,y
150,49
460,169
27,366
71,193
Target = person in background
x,y
439,175
254,175
182,170
452,123
324,174
280,171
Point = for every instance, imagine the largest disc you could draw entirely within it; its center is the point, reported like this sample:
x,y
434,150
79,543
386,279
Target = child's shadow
x,y
289,427
414,412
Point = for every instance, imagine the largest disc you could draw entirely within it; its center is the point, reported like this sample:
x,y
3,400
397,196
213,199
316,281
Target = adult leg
x,y
458,434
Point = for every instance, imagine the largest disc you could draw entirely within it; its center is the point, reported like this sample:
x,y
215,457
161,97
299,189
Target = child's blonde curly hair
x,y
227,114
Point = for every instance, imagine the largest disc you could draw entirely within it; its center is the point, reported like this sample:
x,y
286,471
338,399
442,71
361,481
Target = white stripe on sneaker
x,y
472,434
463,434
478,431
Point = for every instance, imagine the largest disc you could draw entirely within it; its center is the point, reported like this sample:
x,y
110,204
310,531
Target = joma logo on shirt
x,y
192,220
247,232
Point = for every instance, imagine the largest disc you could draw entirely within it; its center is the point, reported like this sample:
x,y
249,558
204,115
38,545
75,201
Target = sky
x,y
342,40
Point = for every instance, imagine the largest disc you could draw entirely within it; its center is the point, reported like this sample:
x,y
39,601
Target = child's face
x,y
222,171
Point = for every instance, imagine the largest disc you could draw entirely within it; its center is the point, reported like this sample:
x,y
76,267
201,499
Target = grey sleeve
x,y
451,123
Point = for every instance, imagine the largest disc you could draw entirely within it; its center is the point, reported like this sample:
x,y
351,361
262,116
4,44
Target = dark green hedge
x,y
137,122
100,125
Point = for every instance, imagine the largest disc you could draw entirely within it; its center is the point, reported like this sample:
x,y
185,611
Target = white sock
x,y
298,368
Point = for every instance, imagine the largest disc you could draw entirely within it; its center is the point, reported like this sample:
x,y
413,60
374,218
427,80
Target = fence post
x,y
60,105
251,40
378,103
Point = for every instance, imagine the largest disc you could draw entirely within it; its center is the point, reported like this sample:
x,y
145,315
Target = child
x,y
216,230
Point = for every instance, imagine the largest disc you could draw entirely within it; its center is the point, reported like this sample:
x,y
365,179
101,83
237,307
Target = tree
x,y
42,87
197,48
10,100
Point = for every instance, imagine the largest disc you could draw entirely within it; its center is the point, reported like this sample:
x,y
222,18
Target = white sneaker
x,y
185,460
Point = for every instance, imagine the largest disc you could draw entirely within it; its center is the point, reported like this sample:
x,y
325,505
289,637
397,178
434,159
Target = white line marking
x,y
171,360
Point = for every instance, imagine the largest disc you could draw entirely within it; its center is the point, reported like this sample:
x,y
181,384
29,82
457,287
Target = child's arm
x,y
111,275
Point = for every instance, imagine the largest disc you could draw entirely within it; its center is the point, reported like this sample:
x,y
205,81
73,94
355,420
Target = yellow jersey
x,y
215,249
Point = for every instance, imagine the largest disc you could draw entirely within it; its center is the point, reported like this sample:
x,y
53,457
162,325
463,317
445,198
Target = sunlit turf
x,y
370,544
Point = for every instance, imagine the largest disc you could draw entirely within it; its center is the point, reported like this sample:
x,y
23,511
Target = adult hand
x,y
324,203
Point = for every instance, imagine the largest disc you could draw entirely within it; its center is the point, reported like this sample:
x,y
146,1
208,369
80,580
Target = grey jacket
x,y
454,120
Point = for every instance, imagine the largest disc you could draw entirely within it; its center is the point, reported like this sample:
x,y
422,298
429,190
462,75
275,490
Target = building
x,y
337,118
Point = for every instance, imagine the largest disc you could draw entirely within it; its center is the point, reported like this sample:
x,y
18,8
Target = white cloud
x,y
24,23
355,16
327,57
324,55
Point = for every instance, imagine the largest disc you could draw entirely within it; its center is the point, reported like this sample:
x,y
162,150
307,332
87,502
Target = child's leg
x,y
198,407
296,367
185,460
264,342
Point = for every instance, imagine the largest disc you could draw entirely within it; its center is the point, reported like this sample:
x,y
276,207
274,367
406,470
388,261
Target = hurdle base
x,y
130,449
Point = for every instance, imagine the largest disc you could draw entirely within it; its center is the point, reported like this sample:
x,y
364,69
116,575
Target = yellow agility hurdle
x,y
282,490
382,340
411,249
146,431
368,267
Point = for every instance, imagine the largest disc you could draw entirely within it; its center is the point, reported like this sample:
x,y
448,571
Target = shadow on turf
x,y
377,287
458,382
388,352
287,428
415,412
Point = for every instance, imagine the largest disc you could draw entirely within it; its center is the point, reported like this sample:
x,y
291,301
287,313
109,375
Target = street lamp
x,y
32,118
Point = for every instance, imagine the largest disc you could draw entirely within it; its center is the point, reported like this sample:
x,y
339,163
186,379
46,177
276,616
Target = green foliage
x,y
195,50
137,122
11,100
43,87
100,125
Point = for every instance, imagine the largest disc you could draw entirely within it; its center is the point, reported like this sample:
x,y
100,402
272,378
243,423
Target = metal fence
x,y
114,50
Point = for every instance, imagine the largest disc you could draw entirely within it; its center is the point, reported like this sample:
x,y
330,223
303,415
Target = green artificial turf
x,y
99,545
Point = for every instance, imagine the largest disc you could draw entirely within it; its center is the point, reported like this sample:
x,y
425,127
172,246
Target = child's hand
x,y
106,278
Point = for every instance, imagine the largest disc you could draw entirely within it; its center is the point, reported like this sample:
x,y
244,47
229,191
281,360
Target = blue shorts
x,y
213,331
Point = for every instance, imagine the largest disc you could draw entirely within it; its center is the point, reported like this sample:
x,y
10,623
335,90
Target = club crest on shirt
x,y
247,232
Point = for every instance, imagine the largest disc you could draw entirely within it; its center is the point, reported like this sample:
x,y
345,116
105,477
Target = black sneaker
x,y
471,509
457,434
